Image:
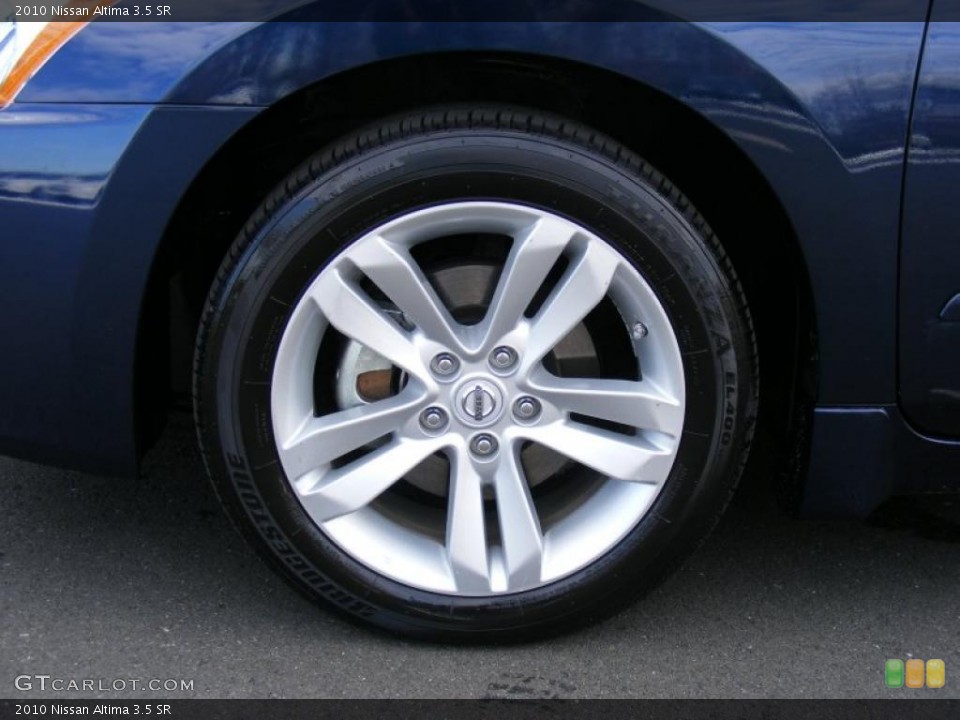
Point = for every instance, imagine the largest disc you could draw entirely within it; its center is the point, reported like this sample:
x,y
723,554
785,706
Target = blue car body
x,y
853,128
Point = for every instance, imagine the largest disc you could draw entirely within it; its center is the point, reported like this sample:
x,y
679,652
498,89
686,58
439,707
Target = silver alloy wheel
x,y
478,552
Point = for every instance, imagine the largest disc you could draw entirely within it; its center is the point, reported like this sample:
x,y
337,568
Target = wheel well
x,y
710,170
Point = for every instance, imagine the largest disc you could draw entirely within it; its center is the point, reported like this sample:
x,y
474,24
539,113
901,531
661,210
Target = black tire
x,y
426,158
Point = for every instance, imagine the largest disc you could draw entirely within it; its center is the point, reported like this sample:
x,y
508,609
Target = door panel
x,y
930,250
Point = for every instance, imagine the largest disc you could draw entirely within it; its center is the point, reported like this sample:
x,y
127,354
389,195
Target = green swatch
x,y
893,672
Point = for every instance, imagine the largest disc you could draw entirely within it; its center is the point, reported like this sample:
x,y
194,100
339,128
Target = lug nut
x,y
433,418
503,358
483,445
639,331
526,408
444,365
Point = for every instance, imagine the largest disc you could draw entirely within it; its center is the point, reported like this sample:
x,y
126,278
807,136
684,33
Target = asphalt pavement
x,y
103,580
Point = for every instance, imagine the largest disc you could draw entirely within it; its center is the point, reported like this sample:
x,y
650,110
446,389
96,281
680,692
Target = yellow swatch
x,y
936,673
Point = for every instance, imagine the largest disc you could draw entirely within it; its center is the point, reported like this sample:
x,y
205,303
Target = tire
x,y
513,514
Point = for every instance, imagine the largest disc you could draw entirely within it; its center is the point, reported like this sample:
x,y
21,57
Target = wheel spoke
x,y
394,271
466,534
353,486
524,272
320,440
620,457
580,290
639,404
352,313
519,523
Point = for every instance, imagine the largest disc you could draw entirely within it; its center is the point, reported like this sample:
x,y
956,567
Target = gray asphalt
x,y
105,579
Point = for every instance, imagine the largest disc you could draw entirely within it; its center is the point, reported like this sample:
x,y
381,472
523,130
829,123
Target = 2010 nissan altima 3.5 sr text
x,y
481,322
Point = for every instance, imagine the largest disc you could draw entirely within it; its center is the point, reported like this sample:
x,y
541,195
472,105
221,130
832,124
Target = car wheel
x,y
475,373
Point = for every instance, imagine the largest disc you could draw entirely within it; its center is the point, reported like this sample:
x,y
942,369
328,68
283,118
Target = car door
x,y
930,244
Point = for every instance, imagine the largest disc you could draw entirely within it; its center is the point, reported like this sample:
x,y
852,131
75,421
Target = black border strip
x,y
491,709
470,10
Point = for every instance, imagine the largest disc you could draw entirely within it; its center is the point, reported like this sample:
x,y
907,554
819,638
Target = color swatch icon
x,y
896,673
893,673
936,673
914,673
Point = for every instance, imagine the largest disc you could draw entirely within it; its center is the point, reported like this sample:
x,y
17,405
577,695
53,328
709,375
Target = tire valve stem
x,y
639,331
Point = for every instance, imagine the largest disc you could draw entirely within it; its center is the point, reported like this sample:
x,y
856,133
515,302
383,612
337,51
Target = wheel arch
x,y
718,177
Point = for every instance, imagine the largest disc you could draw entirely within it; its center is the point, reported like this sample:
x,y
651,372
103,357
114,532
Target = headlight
x,y
24,48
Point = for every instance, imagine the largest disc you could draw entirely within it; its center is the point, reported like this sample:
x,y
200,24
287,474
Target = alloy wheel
x,y
481,397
